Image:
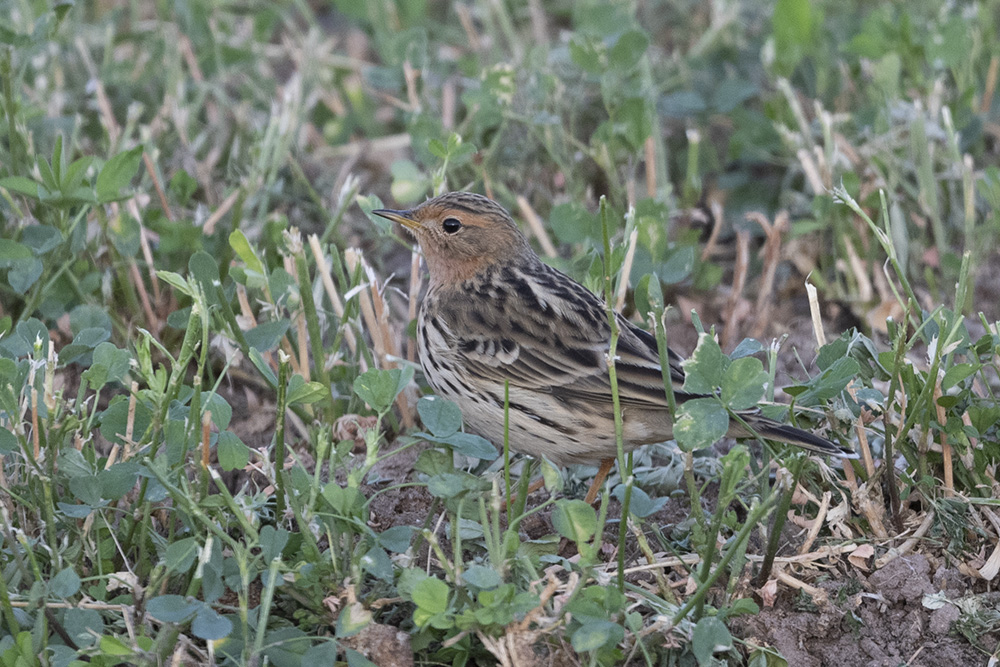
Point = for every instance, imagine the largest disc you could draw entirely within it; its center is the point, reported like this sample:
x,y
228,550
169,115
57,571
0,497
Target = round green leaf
x,y
701,422
441,417
575,520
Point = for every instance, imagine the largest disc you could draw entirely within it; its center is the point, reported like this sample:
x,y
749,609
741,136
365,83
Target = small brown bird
x,y
494,312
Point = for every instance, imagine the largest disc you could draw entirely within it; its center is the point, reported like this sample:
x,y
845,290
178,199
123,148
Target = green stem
x,y
279,436
698,598
625,467
780,517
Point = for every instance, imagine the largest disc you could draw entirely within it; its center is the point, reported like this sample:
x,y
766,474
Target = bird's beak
x,y
402,217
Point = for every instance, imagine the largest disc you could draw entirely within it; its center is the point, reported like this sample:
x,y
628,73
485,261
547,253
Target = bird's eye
x,y
451,225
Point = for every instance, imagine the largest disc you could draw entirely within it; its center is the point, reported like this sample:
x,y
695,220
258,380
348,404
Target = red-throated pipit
x,y
494,312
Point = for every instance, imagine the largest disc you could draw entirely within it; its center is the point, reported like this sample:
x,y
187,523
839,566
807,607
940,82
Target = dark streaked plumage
x,y
494,312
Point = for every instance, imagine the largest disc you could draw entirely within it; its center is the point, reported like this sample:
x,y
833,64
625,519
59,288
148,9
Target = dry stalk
x,y
715,208
103,103
817,318
866,451
991,567
739,283
824,507
140,287
907,546
811,171
151,170
416,282
469,26
206,437
990,87
130,420
949,471
209,227
536,227
331,292
353,258
860,273
626,270
410,75
773,233
449,100
650,150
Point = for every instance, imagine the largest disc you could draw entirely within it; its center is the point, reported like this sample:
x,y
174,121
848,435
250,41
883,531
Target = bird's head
x,y
462,234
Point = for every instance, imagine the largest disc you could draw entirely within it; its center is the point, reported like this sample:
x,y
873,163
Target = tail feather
x,y
756,425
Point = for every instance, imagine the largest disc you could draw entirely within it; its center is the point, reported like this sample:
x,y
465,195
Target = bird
x,y
495,314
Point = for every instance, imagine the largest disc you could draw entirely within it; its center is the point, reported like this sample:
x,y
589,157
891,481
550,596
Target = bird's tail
x,y
756,425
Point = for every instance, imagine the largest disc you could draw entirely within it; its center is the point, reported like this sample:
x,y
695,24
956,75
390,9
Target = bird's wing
x,y
544,332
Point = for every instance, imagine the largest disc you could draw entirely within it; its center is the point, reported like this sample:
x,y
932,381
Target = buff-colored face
x,y
460,233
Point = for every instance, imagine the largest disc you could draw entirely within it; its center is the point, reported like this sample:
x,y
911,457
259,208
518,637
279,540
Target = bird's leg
x,y
595,486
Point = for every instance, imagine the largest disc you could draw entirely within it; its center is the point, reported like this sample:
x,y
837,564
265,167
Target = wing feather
x,y
560,342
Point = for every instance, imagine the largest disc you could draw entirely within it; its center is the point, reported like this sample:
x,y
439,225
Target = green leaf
x,y
209,625
82,622
482,577
241,246
572,223
396,539
437,148
596,634
205,270
640,503
233,454
431,595
452,484
124,232
307,392
109,364
350,621
469,444
747,347
114,646
830,382
266,336
222,412
587,53
115,418
627,51
12,253
180,555
172,608
957,373
705,369
118,480
41,238
21,185
575,520
376,563
24,274
744,384
441,416
379,388
272,542
701,422
262,366
8,441
792,22
710,636
182,185
679,264
65,584
409,184
116,174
